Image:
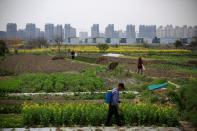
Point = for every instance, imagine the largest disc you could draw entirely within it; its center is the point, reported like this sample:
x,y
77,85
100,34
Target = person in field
x,y
73,54
113,105
140,65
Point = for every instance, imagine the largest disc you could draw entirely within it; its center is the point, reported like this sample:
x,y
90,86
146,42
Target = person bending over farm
x,y
113,105
140,65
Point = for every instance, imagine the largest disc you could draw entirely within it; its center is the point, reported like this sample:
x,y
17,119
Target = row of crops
x,y
94,48
95,114
55,82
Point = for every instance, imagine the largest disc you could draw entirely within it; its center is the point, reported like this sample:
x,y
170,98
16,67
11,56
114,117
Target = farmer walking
x,y
113,105
140,66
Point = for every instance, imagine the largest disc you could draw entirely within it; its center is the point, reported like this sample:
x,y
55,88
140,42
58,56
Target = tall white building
x,y
58,34
147,31
11,31
69,31
130,33
95,31
49,32
30,31
109,31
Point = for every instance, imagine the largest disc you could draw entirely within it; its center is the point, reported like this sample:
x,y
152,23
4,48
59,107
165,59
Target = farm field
x,y
71,92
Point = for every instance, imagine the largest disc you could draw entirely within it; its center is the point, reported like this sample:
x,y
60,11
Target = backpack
x,y
108,97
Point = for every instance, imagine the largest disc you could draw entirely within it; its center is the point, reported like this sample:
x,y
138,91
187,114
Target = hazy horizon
x,y
81,14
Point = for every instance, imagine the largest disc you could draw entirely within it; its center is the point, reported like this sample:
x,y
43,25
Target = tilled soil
x,y
39,63
131,65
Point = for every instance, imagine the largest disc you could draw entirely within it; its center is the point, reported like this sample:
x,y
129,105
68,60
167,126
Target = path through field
x,y
96,129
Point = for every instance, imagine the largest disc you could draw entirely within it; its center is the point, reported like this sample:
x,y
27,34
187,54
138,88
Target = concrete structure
x,y
49,32
11,30
95,31
122,34
98,128
83,35
74,40
115,41
90,41
100,40
123,40
2,35
21,34
109,31
102,34
130,40
30,31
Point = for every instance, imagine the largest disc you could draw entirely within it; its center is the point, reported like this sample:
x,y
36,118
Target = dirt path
x,y
95,129
62,93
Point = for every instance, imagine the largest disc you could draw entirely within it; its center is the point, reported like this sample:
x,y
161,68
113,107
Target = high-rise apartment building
x,y
95,31
30,31
11,31
109,31
69,31
130,32
147,31
59,33
49,32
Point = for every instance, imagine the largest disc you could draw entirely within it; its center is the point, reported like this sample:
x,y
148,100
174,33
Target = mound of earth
x,y
39,63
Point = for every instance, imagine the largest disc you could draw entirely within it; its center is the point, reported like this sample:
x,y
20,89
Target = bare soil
x,y
131,65
39,63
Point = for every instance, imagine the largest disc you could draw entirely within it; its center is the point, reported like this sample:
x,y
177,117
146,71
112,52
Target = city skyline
x,y
136,28
68,33
83,14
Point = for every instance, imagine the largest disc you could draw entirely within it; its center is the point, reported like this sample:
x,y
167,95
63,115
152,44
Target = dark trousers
x,y
113,110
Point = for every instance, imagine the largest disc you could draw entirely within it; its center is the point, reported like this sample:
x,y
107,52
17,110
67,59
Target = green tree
x,y
3,48
103,47
178,44
58,41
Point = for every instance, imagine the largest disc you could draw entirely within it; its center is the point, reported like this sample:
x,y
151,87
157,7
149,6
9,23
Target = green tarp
x,y
157,86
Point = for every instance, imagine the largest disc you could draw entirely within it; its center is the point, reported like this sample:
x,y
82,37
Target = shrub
x,y
3,48
185,99
103,47
178,44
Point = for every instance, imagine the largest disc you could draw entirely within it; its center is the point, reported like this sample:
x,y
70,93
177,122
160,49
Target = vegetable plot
x,y
95,114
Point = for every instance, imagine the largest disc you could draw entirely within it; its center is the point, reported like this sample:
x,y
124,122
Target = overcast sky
x,y
83,13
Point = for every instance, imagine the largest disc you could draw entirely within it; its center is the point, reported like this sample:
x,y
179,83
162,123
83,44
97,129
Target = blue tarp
x,y
157,86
